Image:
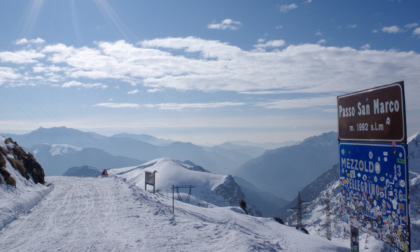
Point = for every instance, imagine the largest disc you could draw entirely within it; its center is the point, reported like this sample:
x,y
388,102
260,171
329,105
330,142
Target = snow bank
x,y
15,200
220,190
19,200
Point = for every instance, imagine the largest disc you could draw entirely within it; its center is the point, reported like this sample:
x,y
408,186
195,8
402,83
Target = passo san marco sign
x,y
376,114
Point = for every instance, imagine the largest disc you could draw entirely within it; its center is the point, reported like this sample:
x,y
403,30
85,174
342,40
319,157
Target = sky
x,y
201,71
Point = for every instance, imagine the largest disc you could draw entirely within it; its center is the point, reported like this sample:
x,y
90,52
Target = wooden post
x,y
354,239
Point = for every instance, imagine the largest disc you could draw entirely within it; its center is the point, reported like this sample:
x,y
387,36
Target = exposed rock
x,y
22,161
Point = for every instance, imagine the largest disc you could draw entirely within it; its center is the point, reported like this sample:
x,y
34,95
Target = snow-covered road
x,y
107,214
78,215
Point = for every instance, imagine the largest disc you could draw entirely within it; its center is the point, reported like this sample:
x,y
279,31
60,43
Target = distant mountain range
x,y
285,171
83,171
280,172
57,158
139,147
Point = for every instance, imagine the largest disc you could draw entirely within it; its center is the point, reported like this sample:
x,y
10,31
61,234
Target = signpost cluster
x,y
373,164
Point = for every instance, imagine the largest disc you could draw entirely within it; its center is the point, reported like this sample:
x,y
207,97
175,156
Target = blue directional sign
x,y
374,195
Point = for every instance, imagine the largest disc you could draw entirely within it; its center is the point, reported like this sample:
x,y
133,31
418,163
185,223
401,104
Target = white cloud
x,y
352,26
287,7
365,47
227,24
417,32
24,41
117,105
210,65
206,48
182,106
299,103
21,57
391,29
322,41
270,43
8,74
412,25
83,85
135,91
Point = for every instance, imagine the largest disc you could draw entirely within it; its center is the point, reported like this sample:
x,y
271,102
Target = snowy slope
x,y
108,214
15,200
61,149
219,190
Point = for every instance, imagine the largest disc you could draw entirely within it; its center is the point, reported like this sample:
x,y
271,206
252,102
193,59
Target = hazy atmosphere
x,y
201,71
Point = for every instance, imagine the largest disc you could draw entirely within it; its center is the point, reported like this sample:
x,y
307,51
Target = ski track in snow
x,y
107,214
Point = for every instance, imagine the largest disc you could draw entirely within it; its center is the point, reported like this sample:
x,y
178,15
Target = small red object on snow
x,y
104,173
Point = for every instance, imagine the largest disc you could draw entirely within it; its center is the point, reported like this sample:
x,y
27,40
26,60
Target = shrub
x,y
18,165
19,152
2,161
242,204
35,169
9,179
279,220
3,151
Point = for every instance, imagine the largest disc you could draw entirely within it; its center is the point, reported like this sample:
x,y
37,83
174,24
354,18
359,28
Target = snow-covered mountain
x,y
314,219
83,171
57,158
207,188
285,171
218,160
21,181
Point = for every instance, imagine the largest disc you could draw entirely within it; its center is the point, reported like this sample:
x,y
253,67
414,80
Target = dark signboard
x,y
150,178
373,179
374,115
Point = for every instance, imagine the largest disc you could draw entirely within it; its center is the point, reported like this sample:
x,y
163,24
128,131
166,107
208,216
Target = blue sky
x,y
201,71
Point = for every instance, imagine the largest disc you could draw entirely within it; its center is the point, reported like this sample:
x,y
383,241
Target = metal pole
x,y
154,181
173,198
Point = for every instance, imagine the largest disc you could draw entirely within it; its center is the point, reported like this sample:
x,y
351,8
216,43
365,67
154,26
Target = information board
x,y
373,115
374,190
150,178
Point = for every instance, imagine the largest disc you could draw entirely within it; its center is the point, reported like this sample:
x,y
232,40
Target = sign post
x,y
373,164
354,234
150,179
373,115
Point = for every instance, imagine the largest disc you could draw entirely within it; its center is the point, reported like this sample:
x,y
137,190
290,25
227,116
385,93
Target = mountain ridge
x,y
213,159
286,170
